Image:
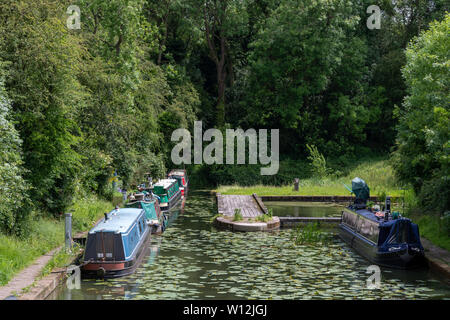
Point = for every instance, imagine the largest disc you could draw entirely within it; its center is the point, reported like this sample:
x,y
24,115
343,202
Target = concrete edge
x,y
247,226
439,267
43,287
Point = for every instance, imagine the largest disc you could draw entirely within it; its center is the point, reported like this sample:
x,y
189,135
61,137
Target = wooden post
x,y
68,231
296,181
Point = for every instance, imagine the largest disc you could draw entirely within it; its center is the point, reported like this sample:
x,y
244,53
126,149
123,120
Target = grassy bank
x,y
378,174
432,228
46,234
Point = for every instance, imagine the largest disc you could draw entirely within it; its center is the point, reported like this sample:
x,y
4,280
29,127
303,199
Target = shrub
x,y
15,207
422,155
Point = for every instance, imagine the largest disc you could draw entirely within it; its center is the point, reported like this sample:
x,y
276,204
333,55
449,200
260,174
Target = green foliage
x,y
433,228
318,162
265,217
308,234
17,253
423,147
15,207
86,102
446,222
44,91
237,215
87,211
378,174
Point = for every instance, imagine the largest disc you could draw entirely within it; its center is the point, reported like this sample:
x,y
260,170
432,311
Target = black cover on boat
x,y
398,232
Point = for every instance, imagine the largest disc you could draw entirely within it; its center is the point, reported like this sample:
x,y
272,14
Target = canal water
x,y
303,209
193,260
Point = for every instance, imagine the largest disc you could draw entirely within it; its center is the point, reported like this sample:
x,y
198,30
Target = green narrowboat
x,y
169,193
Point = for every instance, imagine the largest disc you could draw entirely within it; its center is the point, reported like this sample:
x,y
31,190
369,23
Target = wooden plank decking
x,y
250,206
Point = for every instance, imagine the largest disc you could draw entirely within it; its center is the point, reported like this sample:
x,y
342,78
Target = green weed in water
x,y
311,233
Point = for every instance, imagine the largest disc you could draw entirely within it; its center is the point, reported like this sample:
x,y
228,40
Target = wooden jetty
x,y
250,207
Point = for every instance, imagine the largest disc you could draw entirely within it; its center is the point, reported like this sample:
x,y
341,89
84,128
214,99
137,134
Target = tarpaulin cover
x,y
398,232
360,189
150,212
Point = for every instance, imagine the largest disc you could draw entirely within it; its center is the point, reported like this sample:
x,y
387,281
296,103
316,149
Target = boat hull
x,y
404,258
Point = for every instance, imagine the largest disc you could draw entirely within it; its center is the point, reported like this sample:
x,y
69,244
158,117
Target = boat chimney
x,y
387,208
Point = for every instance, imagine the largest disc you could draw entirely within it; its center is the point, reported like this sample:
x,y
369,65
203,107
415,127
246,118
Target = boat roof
x,y
371,216
165,183
177,172
119,221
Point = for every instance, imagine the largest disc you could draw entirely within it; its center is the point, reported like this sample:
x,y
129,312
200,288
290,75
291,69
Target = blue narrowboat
x,y
169,193
116,245
383,238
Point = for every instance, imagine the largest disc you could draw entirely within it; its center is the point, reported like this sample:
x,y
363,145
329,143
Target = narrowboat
x,y
168,192
116,245
383,238
153,215
181,176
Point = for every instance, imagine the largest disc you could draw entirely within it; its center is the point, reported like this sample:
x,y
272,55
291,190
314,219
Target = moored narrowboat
x,y
153,215
383,238
116,245
168,192
181,176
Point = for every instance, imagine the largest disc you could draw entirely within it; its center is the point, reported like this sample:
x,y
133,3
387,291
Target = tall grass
x,y
87,211
16,253
379,175
45,235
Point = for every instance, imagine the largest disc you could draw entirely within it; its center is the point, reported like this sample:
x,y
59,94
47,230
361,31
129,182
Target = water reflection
x,y
193,260
304,209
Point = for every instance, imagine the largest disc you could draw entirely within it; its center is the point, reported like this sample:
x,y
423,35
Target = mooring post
x,y
68,233
296,181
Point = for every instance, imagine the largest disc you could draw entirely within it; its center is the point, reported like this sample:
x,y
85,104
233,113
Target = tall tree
x,y
220,21
422,157
14,201
41,82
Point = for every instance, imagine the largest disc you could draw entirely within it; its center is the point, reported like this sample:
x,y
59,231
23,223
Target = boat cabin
x,y
181,176
168,192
